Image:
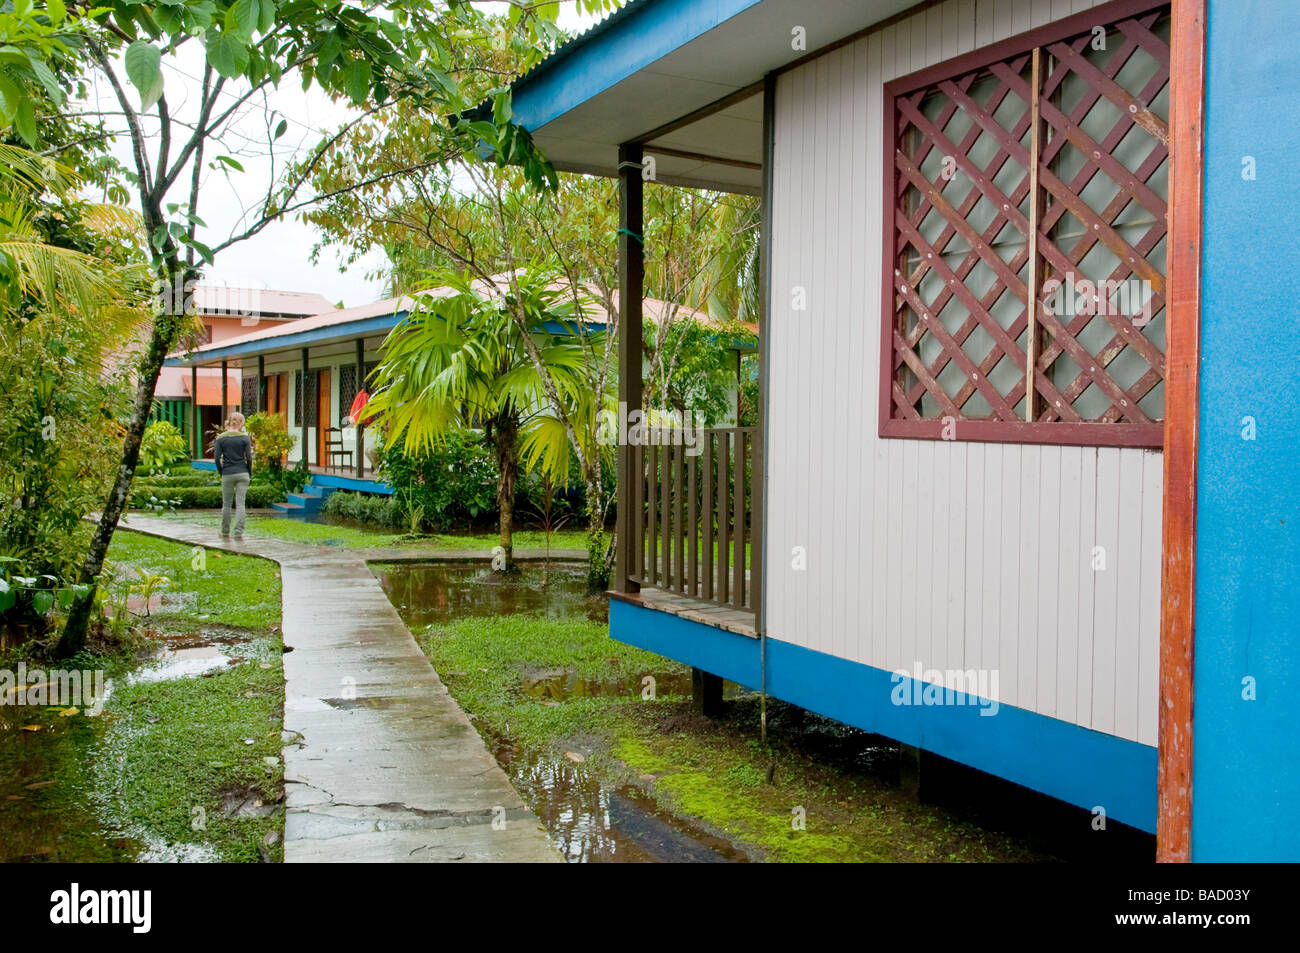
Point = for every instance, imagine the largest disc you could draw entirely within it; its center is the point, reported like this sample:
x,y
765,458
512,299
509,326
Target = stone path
x,y
380,763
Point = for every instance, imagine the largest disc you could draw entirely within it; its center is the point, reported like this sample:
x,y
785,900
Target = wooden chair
x,y
339,457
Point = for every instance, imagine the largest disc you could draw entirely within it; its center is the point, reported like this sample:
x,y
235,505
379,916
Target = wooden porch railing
x,y
693,516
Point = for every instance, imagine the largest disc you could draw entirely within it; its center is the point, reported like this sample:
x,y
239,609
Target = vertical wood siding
x,y
954,555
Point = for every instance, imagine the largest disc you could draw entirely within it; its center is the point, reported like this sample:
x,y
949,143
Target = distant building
x,y
225,313
335,353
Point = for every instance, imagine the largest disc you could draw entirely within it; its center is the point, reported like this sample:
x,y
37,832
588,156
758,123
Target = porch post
x,y
1175,743
261,383
196,439
758,494
631,275
225,398
361,429
302,408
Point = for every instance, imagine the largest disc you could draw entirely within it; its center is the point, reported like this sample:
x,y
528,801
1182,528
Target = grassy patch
x,y
484,661
353,537
790,803
183,758
174,767
205,586
713,771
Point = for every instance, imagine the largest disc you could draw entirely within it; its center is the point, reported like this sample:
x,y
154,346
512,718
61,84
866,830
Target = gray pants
x,y
233,488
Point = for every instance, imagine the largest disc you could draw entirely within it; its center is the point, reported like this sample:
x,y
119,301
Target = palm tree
x,y
462,360
70,301
44,275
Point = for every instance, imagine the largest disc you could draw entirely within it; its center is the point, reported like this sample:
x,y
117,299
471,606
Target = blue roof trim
x,y
384,322
336,332
629,40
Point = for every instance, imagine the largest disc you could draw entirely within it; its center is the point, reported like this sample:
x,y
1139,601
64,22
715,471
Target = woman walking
x,y
234,456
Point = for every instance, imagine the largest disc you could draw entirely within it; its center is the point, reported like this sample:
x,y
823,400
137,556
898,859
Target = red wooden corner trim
x,y
1183,319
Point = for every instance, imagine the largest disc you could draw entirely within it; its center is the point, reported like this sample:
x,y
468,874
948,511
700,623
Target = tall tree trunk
x,y
505,440
166,329
597,567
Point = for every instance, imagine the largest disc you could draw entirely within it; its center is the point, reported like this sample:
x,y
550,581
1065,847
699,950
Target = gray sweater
x,y
234,453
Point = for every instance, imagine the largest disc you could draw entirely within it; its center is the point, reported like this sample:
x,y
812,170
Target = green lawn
x,y
297,531
177,755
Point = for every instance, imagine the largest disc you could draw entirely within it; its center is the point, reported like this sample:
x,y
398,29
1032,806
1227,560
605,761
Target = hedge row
x,y
371,508
191,478
260,495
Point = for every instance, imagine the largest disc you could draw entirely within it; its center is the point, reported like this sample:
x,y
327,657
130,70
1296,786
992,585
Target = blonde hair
x,y
235,421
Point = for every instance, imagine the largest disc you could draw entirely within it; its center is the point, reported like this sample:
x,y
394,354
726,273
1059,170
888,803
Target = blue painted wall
x,y
1246,754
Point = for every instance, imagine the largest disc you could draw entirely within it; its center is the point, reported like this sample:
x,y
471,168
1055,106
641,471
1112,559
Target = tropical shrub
x,y
452,483
58,434
370,508
271,441
161,446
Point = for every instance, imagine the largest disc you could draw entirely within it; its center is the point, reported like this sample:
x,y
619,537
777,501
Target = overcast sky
x,y
279,257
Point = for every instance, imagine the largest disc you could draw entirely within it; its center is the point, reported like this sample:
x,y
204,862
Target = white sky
x,y
279,257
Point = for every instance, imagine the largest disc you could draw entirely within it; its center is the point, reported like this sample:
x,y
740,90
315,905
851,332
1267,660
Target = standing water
x,y
589,819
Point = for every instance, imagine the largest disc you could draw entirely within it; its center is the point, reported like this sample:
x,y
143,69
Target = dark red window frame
x,y
899,418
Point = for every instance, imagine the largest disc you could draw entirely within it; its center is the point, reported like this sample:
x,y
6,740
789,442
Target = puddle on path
x,y
591,822
437,592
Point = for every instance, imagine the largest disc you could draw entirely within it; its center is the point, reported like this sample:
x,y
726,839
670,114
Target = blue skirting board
x,y
1087,768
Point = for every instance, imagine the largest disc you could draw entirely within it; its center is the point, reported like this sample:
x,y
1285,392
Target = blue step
x,y
309,500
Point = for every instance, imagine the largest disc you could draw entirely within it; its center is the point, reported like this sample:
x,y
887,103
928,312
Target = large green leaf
x,y
266,19
356,80
227,54
144,70
243,18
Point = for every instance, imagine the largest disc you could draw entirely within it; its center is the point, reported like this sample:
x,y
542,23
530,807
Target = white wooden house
x,y
951,487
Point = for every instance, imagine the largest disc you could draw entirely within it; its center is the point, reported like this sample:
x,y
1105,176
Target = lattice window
x,y
347,386
1034,169
313,394
348,383
248,394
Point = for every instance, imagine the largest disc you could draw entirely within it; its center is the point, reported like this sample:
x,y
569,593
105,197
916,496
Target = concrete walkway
x,y
380,764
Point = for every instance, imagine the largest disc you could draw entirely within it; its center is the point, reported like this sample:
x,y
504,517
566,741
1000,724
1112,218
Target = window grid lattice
x,y
958,341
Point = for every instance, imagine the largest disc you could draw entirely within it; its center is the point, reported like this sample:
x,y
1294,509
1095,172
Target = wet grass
x,y
484,660
786,801
162,773
182,754
793,804
355,537
181,757
206,585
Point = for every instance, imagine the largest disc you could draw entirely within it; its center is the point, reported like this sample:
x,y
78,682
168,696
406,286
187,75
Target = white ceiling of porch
x,y
722,62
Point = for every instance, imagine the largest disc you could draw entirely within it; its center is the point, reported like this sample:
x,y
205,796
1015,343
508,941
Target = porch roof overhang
x,y
289,340
285,338
682,77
